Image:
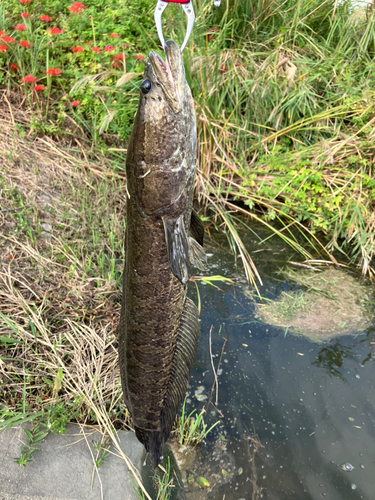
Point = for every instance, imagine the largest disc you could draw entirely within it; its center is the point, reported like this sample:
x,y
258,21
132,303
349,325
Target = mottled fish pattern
x,y
159,326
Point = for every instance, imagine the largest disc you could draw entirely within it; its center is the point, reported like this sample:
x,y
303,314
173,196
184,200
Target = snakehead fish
x,y
159,326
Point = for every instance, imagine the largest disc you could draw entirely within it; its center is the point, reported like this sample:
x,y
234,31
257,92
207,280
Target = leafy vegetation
x,y
284,95
284,92
192,429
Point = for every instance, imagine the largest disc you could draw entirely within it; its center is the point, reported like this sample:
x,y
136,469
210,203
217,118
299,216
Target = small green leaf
x,y
202,481
240,471
351,419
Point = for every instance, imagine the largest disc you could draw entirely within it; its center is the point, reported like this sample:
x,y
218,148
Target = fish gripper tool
x,y
189,11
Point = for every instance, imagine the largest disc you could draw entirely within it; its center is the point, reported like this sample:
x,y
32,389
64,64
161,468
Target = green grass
x,y
192,429
284,95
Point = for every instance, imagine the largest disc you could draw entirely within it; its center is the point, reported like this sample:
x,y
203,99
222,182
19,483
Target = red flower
x,y
8,39
88,42
20,27
119,57
109,48
75,104
96,49
114,35
77,7
39,87
116,64
215,28
140,57
56,31
24,15
3,48
53,71
25,43
29,79
14,67
77,49
25,1
2,33
223,68
45,18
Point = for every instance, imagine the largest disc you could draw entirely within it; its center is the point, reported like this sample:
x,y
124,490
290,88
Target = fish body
x,y
159,326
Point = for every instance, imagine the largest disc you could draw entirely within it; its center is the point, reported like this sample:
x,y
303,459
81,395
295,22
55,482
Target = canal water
x,y
297,418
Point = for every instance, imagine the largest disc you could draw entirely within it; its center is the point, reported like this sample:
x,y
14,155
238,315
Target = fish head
x,y
161,156
164,81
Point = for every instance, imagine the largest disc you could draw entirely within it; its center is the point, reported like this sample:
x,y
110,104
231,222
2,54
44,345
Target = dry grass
x,y
59,306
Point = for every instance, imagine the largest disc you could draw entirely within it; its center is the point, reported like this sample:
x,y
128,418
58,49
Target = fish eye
x,y
146,86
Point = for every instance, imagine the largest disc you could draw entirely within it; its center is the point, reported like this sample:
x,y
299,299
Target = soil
x,y
330,303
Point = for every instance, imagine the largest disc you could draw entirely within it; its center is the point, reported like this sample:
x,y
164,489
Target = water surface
x,y
311,405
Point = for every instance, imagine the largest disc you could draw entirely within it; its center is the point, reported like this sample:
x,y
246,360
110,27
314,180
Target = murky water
x,y
311,405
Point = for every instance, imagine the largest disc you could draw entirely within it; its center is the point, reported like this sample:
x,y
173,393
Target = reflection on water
x,y
311,405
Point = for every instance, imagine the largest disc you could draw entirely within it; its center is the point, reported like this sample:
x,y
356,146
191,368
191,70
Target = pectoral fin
x,y
178,248
196,227
198,257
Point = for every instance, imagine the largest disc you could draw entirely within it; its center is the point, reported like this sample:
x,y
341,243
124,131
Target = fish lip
x,y
161,67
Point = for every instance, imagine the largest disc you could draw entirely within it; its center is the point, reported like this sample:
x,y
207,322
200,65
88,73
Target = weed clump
x,y
329,304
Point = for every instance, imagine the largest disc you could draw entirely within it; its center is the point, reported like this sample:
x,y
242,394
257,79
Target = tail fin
x,y
153,442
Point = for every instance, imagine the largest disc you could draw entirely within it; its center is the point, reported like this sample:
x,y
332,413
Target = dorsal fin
x,y
184,356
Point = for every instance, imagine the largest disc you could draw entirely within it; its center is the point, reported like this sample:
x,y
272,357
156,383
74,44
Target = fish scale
x,y
159,325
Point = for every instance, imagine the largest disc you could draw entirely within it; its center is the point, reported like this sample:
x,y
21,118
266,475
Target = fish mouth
x,y
170,74
161,68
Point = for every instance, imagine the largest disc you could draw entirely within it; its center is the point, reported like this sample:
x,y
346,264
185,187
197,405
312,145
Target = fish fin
x,y
196,227
153,442
178,248
184,356
198,257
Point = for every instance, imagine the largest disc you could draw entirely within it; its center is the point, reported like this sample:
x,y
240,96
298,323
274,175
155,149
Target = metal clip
x,y
189,11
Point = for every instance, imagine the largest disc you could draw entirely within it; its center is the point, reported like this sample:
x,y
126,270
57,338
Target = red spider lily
x,y
53,71
24,15
75,104
19,27
39,87
119,57
25,43
56,31
29,79
114,35
24,2
45,18
14,67
77,49
8,39
140,57
109,48
3,48
2,33
116,64
88,42
96,49
77,7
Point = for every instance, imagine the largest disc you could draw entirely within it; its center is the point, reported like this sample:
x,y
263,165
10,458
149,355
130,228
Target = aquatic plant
x,y
192,429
